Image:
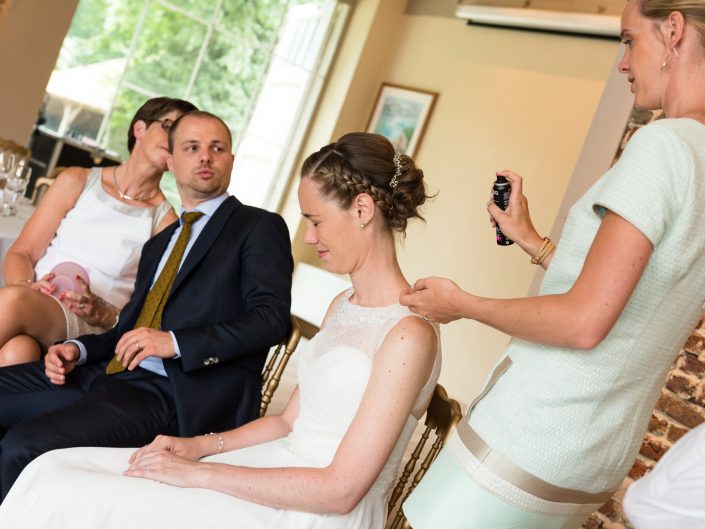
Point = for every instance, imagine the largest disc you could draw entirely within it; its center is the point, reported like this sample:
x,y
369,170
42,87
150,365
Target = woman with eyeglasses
x,y
98,219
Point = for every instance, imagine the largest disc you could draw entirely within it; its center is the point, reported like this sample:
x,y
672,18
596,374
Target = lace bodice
x,y
334,368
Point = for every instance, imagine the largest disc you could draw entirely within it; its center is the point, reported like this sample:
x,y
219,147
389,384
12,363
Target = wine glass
x,y
7,164
15,187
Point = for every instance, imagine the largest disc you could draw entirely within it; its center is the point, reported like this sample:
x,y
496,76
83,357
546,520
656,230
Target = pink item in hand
x,y
65,277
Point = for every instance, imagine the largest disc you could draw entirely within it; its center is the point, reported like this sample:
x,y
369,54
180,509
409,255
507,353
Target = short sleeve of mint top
x,y
576,418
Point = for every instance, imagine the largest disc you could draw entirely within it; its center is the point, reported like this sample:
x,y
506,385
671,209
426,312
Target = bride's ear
x,y
364,208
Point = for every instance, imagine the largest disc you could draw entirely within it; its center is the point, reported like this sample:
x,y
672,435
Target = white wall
x,y
31,34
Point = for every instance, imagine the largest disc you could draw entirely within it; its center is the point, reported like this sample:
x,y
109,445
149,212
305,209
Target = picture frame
x,y
401,114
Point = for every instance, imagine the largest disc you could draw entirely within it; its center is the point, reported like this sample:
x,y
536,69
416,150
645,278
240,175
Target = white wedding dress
x,y
82,488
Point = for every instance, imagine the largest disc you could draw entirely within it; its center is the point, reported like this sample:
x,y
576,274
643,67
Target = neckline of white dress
x,y
351,291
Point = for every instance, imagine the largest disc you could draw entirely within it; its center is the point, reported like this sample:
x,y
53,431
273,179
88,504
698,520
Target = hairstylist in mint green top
x,y
564,411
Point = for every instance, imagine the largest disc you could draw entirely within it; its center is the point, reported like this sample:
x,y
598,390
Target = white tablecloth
x,y
10,228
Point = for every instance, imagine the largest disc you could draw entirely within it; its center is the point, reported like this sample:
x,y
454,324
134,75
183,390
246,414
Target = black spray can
x,y
500,195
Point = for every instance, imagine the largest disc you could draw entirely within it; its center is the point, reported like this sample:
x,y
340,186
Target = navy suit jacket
x,y
229,303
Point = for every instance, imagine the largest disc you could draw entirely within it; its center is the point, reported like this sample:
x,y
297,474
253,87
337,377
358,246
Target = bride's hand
x,y
191,448
167,467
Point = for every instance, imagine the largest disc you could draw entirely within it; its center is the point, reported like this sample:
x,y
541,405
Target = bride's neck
x,y
378,284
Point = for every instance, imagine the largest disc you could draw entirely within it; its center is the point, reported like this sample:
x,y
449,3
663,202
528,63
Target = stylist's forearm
x,y
552,320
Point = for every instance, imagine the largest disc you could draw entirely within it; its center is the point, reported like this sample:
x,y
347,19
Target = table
x,y
10,228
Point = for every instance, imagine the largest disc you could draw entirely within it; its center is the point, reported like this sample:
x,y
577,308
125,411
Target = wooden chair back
x,y
278,358
442,416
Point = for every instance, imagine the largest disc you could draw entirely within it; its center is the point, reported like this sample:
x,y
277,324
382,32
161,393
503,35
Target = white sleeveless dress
x,y
105,236
82,488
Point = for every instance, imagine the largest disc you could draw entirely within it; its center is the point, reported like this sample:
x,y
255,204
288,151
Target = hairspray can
x,y
500,195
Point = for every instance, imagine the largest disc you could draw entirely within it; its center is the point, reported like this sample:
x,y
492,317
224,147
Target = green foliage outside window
x,y
211,53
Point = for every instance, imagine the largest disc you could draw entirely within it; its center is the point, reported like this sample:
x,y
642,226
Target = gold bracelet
x,y
546,248
221,443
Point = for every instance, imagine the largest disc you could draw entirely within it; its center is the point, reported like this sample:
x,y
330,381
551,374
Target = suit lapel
x,y
207,237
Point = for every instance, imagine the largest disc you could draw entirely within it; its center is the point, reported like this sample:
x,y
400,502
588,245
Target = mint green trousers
x,y
447,498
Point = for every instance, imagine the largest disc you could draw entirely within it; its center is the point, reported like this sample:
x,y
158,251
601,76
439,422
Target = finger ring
x,y
137,344
425,318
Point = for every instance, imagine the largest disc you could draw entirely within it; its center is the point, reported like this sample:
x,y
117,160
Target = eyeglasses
x,y
165,123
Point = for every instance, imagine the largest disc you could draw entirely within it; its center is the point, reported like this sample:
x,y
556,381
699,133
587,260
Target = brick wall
x,y
680,408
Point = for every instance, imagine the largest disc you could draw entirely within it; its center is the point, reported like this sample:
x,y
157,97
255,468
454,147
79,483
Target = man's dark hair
x,y
154,109
198,114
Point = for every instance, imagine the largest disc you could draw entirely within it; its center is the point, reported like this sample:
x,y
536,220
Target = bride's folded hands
x,y
168,467
192,448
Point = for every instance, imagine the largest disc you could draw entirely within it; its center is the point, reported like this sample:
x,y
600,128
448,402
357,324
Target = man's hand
x,y
141,343
60,361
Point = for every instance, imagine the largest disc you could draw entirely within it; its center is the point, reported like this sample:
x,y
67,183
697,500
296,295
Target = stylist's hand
x,y
435,298
515,221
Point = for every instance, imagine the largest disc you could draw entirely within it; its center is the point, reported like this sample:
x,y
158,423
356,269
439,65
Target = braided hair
x,y
361,162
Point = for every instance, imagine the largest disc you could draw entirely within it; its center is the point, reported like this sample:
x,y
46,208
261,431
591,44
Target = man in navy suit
x,y
200,371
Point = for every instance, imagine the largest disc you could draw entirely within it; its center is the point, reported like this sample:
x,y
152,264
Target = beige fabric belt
x,y
505,469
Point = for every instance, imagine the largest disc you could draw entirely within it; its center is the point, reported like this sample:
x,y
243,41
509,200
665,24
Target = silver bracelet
x,y
221,443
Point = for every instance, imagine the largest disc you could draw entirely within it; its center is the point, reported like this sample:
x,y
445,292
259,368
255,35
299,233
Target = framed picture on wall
x,y
401,114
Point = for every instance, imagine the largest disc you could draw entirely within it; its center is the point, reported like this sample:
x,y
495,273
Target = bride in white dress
x,y
330,459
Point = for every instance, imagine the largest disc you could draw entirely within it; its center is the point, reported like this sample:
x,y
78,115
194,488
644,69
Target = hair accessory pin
x,y
394,182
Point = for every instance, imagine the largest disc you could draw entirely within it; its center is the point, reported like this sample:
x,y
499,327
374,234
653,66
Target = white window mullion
x,y
128,58
210,25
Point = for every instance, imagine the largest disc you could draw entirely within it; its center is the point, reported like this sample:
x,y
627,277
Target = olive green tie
x,y
151,313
